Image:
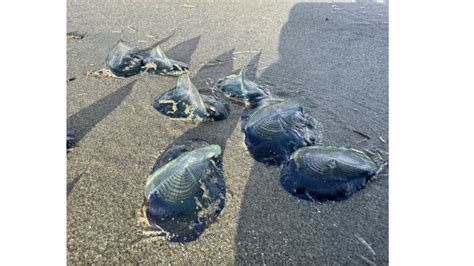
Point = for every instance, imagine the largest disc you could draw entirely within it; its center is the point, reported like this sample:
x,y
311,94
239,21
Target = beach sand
x,y
334,56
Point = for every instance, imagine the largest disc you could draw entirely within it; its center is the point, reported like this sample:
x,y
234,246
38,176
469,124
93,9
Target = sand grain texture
x,y
339,68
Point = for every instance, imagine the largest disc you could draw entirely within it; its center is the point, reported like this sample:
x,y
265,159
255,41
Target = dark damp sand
x,y
339,67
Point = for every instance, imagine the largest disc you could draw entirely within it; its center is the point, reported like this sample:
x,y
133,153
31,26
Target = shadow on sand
x,y
86,119
335,65
207,131
83,121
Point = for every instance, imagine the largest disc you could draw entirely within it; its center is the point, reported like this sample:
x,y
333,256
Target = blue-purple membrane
x,y
276,129
185,191
123,60
186,102
241,90
326,173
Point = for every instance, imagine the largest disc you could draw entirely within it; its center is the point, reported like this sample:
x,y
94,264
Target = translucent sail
x,y
238,88
123,60
184,101
184,195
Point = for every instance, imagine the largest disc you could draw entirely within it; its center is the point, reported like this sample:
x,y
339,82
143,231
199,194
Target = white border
x,y
32,134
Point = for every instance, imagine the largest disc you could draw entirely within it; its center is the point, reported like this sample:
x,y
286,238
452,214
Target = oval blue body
x,y
186,191
274,132
326,173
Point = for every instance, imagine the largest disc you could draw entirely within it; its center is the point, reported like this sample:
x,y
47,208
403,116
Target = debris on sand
x,y
70,138
75,35
102,73
361,133
365,244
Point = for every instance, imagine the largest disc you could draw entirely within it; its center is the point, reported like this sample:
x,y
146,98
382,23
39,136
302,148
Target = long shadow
x,y
207,131
85,120
336,64
159,42
183,51
217,132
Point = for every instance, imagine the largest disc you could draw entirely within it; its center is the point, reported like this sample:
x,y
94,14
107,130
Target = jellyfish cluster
x,y
185,191
124,60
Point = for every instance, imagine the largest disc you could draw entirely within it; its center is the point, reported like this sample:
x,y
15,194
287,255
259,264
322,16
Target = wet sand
x,y
334,56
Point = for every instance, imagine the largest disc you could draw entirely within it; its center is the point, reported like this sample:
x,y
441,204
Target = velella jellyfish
x,y
326,173
216,108
241,90
155,61
185,192
274,131
182,102
185,102
123,60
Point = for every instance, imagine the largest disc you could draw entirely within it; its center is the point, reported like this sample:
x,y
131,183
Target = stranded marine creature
x,y
185,192
123,60
241,90
326,173
156,62
185,102
274,131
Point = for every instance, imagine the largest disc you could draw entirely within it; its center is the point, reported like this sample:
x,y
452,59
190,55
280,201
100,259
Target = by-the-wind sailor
x,y
182,102
238,88
326,173
155,61
273,132
185,194
185,102
217,109
123,60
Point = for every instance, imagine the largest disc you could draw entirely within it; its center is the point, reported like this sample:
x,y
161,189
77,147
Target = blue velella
x,y
216,108
275,130
123,60
241,90
326,173
155,61
185,191
185,102
182,102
